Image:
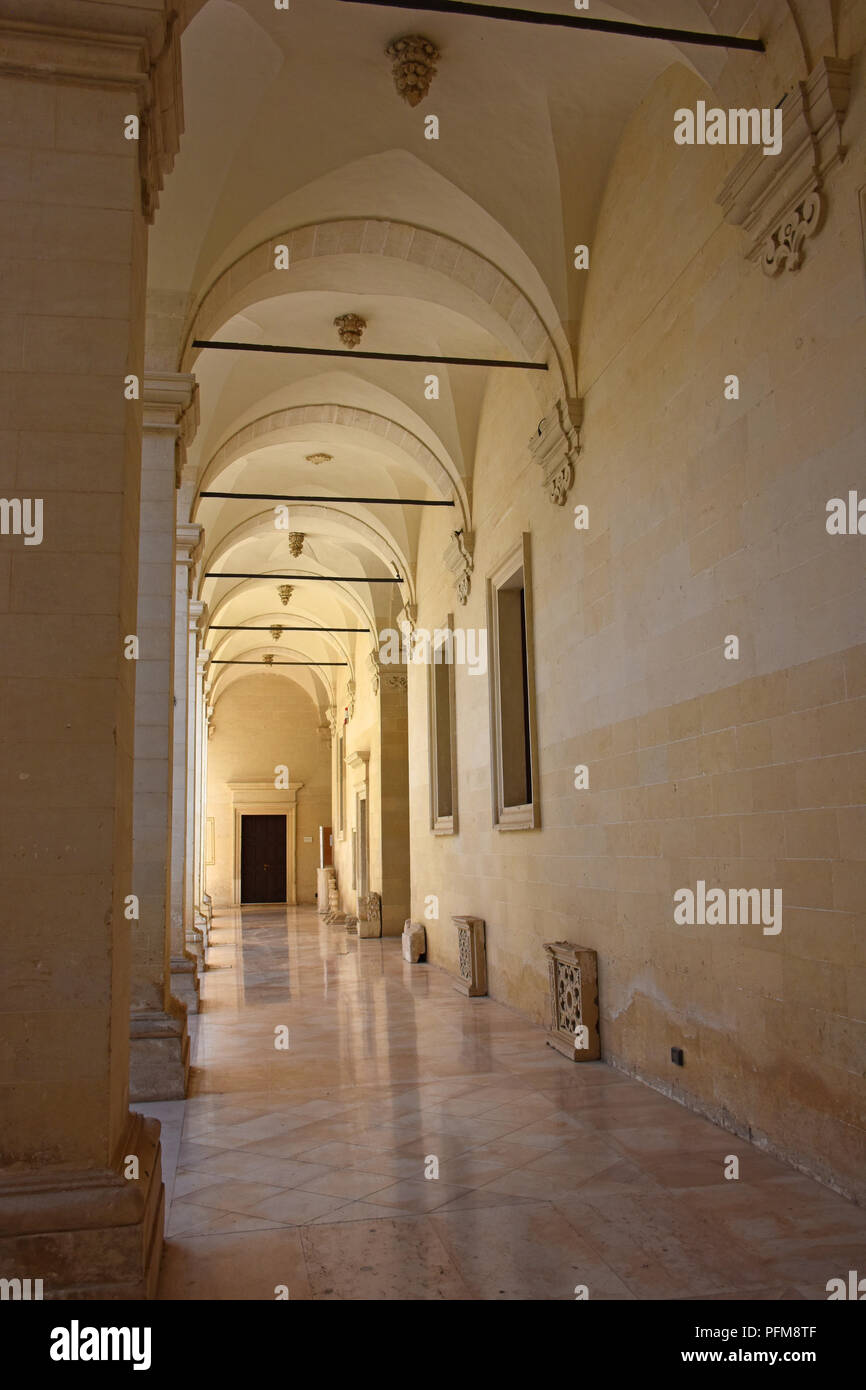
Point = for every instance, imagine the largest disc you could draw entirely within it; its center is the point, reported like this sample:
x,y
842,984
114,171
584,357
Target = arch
x,y
252,277
250,529
304,676
443,476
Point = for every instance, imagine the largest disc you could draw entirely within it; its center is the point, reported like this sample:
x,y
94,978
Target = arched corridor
x,y
433,809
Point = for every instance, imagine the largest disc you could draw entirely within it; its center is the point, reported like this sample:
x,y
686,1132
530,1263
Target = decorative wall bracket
x,y
458,558
471,956
573,974
779,200
555,446
350,699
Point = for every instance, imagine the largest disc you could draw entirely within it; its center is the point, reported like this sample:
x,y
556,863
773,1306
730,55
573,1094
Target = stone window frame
x,y
439,824
528,815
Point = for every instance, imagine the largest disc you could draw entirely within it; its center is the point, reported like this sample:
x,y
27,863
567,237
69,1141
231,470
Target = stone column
x,y
184,974
394,790
159,1041
81,1196
200,919
193,938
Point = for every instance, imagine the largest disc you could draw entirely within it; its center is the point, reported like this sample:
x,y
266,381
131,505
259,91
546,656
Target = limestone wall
x,y
707,518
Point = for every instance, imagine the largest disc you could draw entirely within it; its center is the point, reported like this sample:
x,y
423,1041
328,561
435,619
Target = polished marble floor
x,y
304,1167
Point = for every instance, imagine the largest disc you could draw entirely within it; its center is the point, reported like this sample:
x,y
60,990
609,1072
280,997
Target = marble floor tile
x,y
306,1169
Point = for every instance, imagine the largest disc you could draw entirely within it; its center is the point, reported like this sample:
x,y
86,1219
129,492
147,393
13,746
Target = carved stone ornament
x,y
471,956
350,328
573,974
783,249
780,200
350,699
397,682
370,921
276,632
268,658
285,592
296,543
319,458
458,558
332,719
374,669
555,446
414,61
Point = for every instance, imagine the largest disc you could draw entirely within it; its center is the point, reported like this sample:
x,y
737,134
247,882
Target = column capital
x,y
171,410
130,45
188,536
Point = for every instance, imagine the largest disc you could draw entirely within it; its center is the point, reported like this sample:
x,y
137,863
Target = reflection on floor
x,y
305,1166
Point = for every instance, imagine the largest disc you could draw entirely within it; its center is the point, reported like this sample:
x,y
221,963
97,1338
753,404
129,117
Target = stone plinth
x,y
92,1233
325,881
471,956
573,1001
414,942
158,1054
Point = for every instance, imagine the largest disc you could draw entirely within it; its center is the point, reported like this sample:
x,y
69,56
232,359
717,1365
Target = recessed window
x,y
443,733
512,694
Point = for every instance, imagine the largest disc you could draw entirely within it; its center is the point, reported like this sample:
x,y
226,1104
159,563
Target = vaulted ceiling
x,y
462,246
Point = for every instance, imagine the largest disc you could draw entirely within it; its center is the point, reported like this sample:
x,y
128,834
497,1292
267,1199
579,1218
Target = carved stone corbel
x,y
555,446
350,700
780,200
373,666
331,716
458,558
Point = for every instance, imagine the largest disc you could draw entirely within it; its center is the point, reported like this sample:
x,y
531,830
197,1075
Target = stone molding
x,y
555,447
148,63
779,201
458,557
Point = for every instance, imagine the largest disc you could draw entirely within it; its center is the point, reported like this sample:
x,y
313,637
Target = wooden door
x,y
263,859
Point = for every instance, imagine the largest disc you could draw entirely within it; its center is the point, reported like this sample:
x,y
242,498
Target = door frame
x,y
264,799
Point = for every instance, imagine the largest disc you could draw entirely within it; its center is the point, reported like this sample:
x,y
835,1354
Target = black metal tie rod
x,y
372,356
279,663
320,578
567,21
230,627
278,497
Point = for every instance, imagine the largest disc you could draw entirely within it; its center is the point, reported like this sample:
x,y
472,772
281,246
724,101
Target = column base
x,y
158,1054
184,981
92,1234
